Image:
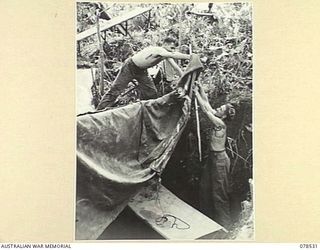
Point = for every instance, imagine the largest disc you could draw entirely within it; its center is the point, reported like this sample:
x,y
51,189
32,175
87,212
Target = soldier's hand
x,y
180,92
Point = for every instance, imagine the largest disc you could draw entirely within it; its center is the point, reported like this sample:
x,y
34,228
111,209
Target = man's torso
x,y
218,139
147,57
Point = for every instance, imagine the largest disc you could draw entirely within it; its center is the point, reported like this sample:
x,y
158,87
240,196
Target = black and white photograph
x,y
164,126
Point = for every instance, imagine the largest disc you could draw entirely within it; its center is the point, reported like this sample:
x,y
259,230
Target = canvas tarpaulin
x,y
120,149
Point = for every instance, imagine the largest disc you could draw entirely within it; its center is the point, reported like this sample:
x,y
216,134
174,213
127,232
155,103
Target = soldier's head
x,y
226,111
169,44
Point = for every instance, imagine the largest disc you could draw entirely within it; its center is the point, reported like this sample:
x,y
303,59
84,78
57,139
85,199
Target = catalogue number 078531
x,y
308,246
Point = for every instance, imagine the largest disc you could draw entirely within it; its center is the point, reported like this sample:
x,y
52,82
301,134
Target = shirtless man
x,y
214,184
136,68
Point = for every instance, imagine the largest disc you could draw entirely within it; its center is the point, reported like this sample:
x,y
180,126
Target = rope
x,y
161,220
238,155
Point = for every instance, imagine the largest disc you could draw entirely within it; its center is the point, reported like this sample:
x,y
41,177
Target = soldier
x,y
136,67
214,183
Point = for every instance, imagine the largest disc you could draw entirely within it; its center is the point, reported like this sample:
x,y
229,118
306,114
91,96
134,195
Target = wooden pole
x,y
92,76
197,119
101,85
198,129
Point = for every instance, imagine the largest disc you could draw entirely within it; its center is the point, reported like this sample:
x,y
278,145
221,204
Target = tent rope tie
x,y
161,220
238,155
